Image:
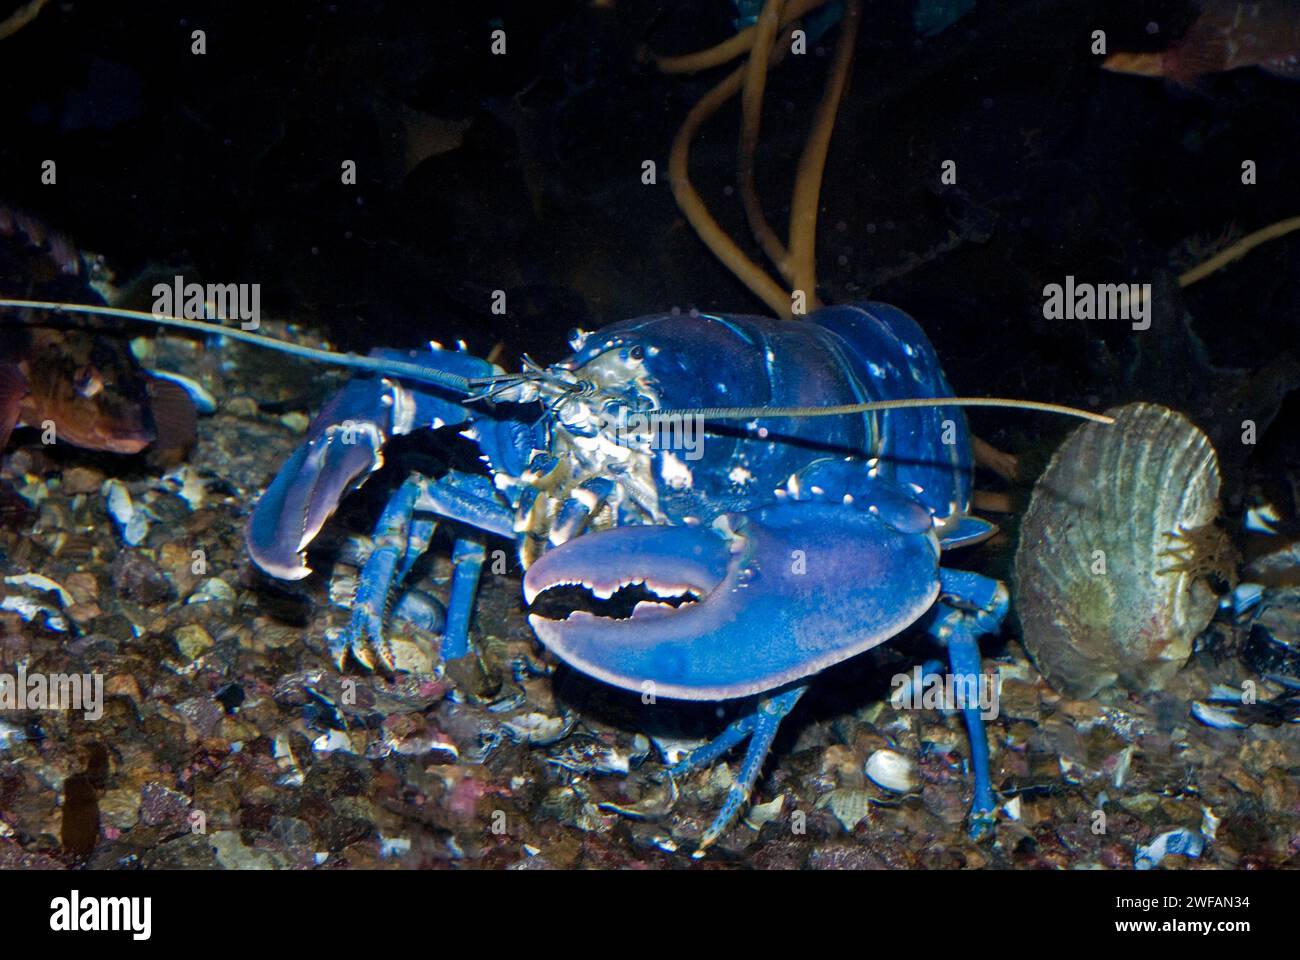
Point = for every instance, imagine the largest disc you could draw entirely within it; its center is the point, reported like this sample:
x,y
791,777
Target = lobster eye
x,y
636,353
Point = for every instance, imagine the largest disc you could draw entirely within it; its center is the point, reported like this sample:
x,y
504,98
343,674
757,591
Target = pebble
x,y
1019,700
122,685
296,421
162,806
137,578
178,562
841,763
78,480
212,590
120,808
244,408
190,851
233,855
193,641
83,586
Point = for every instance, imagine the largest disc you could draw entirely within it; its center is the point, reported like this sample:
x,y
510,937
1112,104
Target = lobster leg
x,y
760,726
401,538
467,562
469,499
970,605
572,517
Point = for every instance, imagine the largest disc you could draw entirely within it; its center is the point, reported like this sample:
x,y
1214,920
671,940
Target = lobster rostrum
x,y
783,544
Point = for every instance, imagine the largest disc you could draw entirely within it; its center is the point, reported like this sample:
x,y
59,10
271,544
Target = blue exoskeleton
x,y
797,542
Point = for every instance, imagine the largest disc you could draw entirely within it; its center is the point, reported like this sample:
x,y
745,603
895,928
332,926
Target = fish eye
x,y
88,382
636,353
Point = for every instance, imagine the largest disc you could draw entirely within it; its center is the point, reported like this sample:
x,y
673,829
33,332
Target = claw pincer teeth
x,y
607,589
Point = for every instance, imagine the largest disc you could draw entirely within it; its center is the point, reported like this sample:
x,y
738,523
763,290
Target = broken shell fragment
x,y
1117,551
132,520
1216,717
761,814
596,757
1184,842
850,806
891,771
539,729
29,600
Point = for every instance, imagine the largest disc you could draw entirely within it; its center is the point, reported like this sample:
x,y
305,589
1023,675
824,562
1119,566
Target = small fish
x,y
418,135
1226,36
93,391
90,387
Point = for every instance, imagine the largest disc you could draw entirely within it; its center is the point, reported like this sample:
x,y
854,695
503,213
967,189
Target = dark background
x,y
227,166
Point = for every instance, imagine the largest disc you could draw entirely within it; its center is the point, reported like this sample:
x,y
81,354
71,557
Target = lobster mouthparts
x,y
784,592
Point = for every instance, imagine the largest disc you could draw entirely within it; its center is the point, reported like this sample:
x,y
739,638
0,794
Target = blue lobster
x,y
789,544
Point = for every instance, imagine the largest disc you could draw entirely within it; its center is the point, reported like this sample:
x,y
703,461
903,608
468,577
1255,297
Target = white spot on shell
x,y
38,581
675,473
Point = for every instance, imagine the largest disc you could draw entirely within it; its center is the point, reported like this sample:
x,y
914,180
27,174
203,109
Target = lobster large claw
x,y
344,445
783,592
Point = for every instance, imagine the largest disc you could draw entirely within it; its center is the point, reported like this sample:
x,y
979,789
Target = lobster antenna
x,y
468,385
834,410
400,368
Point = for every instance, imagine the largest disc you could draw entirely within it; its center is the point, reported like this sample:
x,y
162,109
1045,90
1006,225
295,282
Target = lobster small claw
x,y
344,446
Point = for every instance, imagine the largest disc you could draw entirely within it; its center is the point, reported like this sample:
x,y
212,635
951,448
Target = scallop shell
x,y
1101,600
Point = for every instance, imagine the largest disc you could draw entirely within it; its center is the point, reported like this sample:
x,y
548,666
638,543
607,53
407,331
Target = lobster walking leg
x,y
467,560
468,498
970,605
401,538
760,726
